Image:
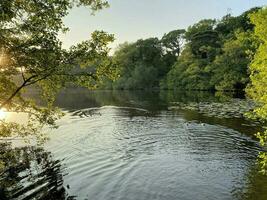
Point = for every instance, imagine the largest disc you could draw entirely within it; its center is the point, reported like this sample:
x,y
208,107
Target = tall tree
x,y
173,42
141,64
230,68
30,49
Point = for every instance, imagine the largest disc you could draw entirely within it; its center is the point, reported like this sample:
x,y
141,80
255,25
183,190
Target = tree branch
x,y
27,82
16,91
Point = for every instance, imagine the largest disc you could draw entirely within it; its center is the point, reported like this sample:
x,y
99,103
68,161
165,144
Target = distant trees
x,y
229,70
137,64
144,63
209,55
216,55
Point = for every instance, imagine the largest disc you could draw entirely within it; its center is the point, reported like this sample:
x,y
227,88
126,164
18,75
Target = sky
x,y
130,20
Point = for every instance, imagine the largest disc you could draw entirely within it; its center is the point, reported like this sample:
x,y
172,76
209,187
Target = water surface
x,y
130,146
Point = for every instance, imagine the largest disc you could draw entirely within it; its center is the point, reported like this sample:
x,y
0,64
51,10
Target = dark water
x,y
129,146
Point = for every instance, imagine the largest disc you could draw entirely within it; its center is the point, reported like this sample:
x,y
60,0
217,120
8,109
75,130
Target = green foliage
x,y
209,55
228,25
141,64
216,55
202,38
188,73
172,42
257,88
30,49
230,69
33,162
144,63
191,71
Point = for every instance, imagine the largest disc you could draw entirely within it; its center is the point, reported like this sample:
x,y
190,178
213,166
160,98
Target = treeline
x,y
209,55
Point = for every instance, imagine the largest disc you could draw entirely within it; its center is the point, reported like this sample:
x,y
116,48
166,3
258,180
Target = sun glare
x,y
2,114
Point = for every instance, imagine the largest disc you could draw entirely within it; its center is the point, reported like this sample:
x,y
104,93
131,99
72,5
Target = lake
x,y
130,145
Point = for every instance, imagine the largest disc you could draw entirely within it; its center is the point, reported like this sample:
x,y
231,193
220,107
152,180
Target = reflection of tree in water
x,y
30,173
256,187
197,96
80,98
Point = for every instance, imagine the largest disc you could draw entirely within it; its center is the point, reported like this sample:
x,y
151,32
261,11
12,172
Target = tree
x,y
257,88
191,70
172,45
141,64
189,73
30,49
203,38
230,69
173,41
228,25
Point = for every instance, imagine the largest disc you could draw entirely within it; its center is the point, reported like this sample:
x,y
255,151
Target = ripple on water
x,y
127,153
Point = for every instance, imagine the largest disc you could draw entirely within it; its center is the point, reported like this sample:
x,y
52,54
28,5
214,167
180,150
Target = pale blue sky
x,y
130,20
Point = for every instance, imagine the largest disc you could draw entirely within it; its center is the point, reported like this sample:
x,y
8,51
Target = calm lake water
x,y
115,145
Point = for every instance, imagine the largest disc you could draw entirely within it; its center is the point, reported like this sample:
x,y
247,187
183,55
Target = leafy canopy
x,y
257,88
216,55
31,54
144,63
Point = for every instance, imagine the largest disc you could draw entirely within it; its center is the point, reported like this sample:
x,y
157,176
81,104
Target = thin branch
x,y
62,74
79,74
39,79
27,82
16,91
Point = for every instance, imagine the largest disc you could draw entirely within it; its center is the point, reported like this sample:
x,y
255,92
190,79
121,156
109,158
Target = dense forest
x,y
209,55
